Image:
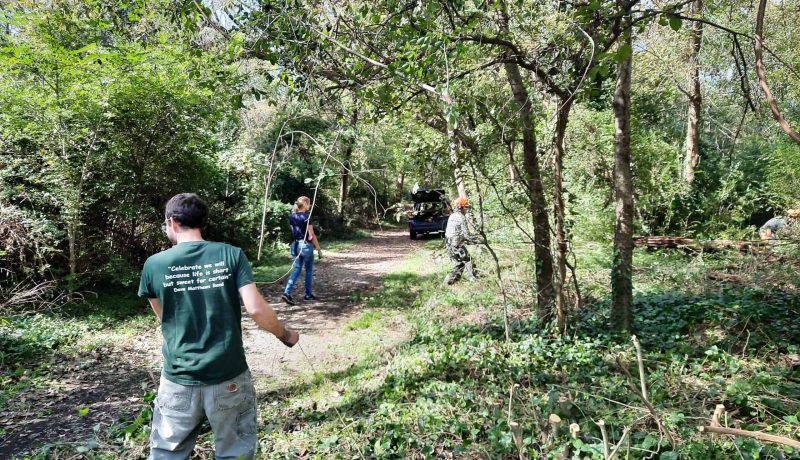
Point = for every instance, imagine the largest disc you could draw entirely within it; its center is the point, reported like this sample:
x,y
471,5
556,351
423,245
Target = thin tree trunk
x,y
72,236
398,183
443,126
74,212
692,158
512,173
762,79
344,186
458,173
267,180
267,186
562,118
452,149
538,203
621,271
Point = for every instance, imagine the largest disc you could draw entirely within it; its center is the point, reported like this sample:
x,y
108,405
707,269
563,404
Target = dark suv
x,y
429,214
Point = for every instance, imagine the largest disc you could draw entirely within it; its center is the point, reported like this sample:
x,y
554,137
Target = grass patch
x,y
366,320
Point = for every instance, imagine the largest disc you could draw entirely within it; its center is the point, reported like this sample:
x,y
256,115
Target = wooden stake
x,y
516,431
565,404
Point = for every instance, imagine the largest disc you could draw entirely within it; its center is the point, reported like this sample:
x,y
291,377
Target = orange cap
x,y
461,202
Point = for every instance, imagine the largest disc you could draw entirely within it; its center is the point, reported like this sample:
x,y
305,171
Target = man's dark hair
x,y
188,209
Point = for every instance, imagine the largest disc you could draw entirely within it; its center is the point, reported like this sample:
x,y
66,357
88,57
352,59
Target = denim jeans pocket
x,y
235,393
174,397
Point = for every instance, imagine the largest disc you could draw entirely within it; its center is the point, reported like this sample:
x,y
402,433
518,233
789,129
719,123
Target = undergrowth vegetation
x,y
715,329
451,391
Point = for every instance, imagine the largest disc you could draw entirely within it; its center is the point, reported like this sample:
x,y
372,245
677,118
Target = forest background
x,y
572,127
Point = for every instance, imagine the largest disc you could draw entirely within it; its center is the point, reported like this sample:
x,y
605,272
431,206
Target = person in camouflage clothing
x,y
458,236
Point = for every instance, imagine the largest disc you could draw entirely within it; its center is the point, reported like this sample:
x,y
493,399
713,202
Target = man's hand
x,y
319,253
290,337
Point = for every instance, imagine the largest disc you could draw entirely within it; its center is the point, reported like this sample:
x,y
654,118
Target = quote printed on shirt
x,y
184,278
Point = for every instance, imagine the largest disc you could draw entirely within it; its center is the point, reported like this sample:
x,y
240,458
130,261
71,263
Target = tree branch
x,y
751,434
762,79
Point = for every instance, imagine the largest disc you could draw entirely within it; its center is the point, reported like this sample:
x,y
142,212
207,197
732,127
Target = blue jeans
x,y
303,255
229,406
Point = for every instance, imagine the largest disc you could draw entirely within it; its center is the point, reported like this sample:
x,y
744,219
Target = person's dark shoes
x,y
288,299
310,298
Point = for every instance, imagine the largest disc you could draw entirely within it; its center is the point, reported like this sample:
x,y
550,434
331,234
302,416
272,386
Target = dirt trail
x,y
110,381
340,280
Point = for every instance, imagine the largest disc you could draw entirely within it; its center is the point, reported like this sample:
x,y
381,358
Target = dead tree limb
x,y
762,79
751,434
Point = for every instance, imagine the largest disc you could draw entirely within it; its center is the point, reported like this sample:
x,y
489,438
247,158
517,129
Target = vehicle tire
x,y
412,235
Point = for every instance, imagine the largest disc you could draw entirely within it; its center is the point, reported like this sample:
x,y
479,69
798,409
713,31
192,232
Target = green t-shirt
x,y
198,285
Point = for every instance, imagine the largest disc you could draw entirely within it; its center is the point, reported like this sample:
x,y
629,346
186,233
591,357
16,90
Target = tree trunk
x,y
72,235
512,173
458,173
398,183
692,158
344,186
538,203
453,141
452,148
621,271
267,180
562,119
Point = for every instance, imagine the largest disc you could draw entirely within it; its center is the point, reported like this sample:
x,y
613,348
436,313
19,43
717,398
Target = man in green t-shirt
x,y
194,289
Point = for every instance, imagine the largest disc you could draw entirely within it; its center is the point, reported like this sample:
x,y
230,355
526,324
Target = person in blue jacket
x,y
304,241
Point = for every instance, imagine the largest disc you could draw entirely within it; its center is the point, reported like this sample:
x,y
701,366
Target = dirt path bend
x,y
340,281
